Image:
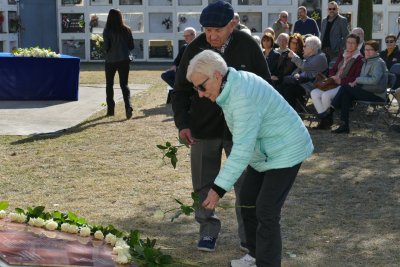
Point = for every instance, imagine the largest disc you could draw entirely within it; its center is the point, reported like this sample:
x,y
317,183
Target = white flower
x,y
120,242
84,231
31,221
73,229
159,215
111,239
122,259
98,235
3,214
65,227
15,217
38,222
51,225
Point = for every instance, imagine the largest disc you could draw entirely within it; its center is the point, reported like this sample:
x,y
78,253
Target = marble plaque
x,y
30,246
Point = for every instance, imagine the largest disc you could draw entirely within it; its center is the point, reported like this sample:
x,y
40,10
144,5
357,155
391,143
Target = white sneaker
x,y
246,261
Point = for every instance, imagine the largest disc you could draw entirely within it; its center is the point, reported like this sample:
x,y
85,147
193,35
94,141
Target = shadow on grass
x,y
76,129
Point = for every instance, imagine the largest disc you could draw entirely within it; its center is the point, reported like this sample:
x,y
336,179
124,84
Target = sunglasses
x,y
332,8
200,87
390,41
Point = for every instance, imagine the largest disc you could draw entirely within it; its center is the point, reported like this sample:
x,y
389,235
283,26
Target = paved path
x,y
36,117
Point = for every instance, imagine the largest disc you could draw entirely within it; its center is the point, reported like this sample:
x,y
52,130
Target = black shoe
x,y
129,113
342,129
110,113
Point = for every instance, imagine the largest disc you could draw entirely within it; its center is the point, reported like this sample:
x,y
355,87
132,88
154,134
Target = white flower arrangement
x,y
127,247
35,52
3,214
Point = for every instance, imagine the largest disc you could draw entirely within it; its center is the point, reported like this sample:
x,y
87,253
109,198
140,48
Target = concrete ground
x,y
38,117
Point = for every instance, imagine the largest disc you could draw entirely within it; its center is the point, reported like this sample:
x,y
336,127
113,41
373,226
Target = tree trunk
x,y
364,20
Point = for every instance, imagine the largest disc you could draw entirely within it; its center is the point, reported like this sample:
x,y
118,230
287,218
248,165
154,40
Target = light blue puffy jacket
x,y
267,132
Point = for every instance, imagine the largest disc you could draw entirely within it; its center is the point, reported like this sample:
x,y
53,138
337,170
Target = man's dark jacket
x,y
203,117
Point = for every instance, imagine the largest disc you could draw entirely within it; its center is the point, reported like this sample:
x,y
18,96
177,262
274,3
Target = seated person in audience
x,y
369,86
360,33
314,62
285,66
272,32
346,69
391,55
271,55
296,44
236,20
169,75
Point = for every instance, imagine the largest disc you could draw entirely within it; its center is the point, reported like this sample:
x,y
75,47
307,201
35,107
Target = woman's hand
x,y
352,84
336,79
274,78
211,201
291,54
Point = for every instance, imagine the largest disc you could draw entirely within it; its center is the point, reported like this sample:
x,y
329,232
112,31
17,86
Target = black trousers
x,y
345,97
267,191
123,72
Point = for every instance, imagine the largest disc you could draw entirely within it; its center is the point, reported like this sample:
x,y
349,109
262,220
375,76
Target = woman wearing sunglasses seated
x,y
391,55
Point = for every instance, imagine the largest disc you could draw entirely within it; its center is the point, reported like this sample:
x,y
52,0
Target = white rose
x,y
111,239
85,231
31,221
73,229
21,218
51,225
38,222
122,259
98,235
159,215
65,227
120,242
3,214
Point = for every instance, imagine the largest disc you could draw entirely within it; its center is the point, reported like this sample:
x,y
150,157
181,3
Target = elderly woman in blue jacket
x,y
269,141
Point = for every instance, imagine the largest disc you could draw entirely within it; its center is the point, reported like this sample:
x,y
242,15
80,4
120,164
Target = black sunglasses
x,y
200,87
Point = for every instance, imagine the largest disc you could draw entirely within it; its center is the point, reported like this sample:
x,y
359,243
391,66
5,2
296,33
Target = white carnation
x,y
38,222
122,259
99,235
3,214
73,229
51,225
15,217
84,231
65,227
111,239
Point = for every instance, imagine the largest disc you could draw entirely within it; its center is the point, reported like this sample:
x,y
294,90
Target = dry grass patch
x,y
344,209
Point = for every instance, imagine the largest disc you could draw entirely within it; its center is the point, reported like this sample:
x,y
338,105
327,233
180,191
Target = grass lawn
x,y
344,209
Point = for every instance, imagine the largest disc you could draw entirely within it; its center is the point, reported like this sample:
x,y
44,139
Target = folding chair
x,y
379,108
305,109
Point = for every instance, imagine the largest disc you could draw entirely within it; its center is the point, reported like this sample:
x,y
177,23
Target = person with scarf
x,y
371,85
346,69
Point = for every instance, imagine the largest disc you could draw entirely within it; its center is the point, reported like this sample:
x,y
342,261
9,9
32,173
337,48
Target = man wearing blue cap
x,y
201,122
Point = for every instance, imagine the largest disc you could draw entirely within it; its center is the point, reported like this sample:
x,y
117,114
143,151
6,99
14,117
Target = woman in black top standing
x,y
118,42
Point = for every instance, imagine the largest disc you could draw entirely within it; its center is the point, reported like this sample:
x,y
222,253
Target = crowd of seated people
x,y
356,67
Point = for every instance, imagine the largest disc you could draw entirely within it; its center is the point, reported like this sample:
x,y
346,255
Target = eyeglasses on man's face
x,y
390,41
332,8
200,87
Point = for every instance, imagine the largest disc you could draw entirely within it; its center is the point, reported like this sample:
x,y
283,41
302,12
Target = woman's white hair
x,y
314,43
206,63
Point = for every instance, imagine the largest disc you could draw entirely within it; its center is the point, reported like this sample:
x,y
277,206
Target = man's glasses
x,y
332,8
200,87
390,41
